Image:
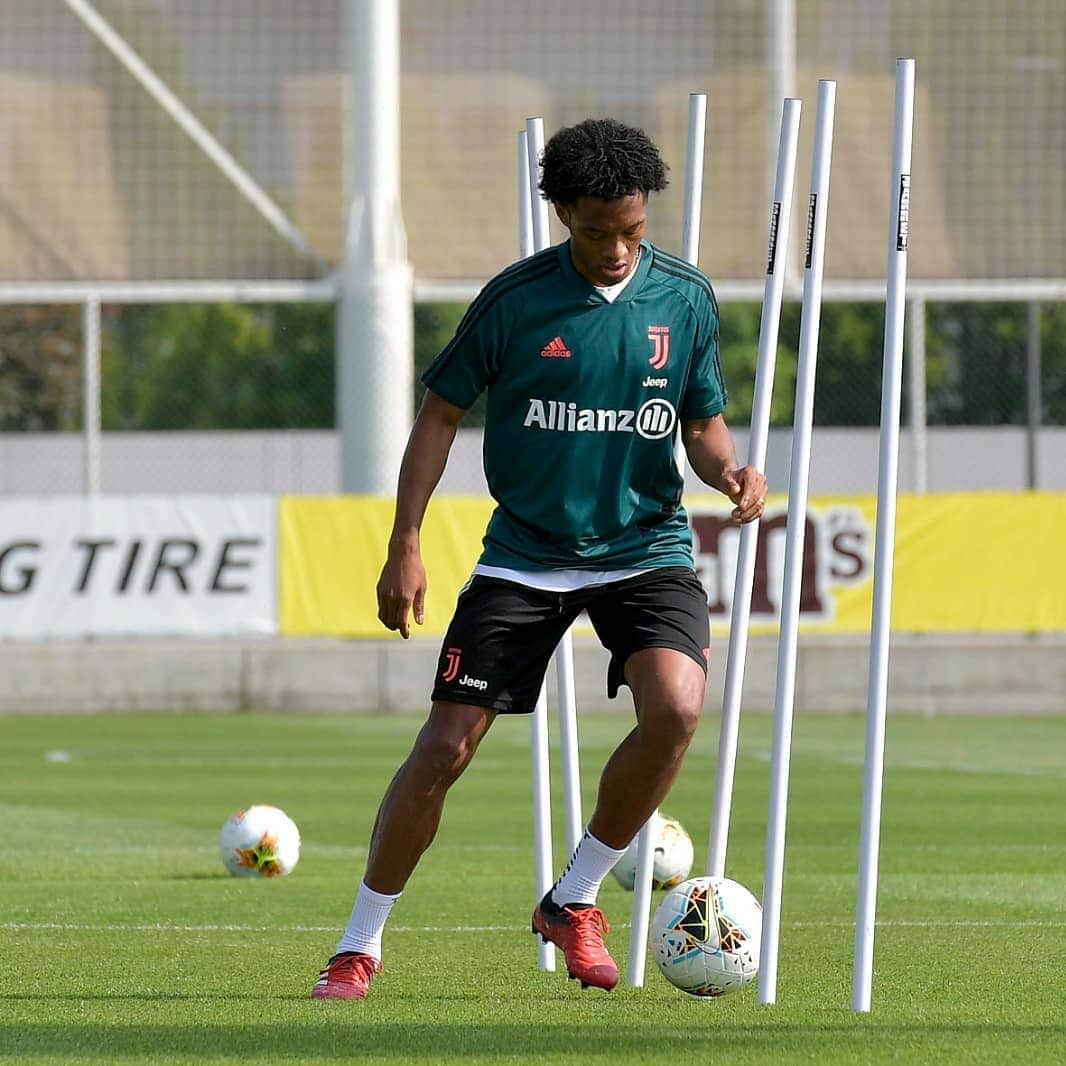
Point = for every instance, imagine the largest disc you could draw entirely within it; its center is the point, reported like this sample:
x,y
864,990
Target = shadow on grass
x,y
342,1035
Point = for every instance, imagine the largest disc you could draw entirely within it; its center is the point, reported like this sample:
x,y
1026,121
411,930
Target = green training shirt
x,y
583,403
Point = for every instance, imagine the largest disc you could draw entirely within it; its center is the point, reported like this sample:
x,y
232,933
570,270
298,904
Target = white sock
x,y
590,864
369,915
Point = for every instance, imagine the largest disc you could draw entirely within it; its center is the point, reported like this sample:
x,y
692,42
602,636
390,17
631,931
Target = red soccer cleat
x,y
346,976
578,931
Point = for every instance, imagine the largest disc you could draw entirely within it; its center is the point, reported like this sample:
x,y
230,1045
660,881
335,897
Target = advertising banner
x,y
965,562
332,549
198,566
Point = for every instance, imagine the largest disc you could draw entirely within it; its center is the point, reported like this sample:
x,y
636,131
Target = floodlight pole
x,y
375,331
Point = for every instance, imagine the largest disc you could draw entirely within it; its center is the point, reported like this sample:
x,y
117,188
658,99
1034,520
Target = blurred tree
x,y
848,373
982,349
739,344
1053,356
220,366
40,368
236,366
435,325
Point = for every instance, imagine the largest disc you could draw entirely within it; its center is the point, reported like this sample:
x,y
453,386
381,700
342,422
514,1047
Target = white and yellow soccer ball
x,y
673,856
261,841
706,936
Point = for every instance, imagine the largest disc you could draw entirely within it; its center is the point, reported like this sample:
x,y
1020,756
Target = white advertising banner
x,y
198,566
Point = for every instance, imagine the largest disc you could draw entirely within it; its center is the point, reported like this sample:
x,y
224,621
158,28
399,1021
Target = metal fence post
x,y
1033,398
91,392
781,65
916,387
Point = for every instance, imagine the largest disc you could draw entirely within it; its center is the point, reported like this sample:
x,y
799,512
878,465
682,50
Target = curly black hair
x,y
600,157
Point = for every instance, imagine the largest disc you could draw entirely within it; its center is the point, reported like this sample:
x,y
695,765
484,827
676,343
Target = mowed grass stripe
x,y
162,927
146,952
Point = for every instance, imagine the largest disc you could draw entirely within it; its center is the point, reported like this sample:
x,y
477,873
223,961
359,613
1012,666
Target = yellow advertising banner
x,y
332,548
965,562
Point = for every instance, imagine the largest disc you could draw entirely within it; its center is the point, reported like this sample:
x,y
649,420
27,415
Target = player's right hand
x,y
401,588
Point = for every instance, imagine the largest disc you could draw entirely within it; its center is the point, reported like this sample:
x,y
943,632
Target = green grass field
x,y
125,941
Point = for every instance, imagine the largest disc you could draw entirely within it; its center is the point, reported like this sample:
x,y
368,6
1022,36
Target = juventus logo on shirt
x,y
660,339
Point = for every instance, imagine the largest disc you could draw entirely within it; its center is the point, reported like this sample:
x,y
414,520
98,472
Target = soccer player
x,y
593,353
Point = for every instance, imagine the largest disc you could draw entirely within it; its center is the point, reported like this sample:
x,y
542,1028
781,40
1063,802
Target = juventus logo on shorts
x,y
451,669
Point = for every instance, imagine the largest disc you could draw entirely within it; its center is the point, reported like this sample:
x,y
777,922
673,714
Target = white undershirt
x,y
570,580
557,580
610,292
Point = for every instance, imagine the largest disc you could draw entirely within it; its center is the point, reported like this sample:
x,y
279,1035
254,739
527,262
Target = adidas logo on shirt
x,y
555,349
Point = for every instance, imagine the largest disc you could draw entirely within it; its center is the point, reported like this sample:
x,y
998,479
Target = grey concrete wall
x,y
943,675
842,461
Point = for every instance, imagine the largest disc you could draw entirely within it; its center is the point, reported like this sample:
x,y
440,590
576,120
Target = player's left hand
x,y
746,487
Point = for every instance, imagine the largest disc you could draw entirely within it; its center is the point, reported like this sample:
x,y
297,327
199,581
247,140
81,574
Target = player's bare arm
x,y
710,450
402,585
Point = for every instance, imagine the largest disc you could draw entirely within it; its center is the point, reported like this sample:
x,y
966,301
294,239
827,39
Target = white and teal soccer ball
x,y
261,841
706,936
673,856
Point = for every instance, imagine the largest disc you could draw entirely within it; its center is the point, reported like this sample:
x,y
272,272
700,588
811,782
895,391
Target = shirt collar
x,y
584,286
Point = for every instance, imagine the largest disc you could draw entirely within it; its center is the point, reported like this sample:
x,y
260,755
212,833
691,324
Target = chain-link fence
x,y
99,183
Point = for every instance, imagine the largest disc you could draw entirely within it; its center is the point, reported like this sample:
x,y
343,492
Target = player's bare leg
x,y
667,689
411,808
406,823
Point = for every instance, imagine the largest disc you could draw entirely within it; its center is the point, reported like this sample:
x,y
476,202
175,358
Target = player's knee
x,y
441,755
670,723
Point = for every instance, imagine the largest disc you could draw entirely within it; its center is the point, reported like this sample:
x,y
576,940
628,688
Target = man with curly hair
x,y
593,353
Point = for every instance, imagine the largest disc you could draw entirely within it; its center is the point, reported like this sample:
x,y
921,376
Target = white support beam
x,y
375,317
169,292
152,84
439,290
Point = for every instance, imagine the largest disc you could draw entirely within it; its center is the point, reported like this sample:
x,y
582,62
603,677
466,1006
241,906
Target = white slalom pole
x,y
568,746
564,653
794,538
638,934
525,204
887,478
542,815
690,248
690,218
534,150
773,291
697,125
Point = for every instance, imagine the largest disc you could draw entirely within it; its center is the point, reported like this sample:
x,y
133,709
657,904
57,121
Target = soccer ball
x,y
673,856
706,936
262,841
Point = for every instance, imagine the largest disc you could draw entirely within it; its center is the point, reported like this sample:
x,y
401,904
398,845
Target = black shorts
x,y
502,635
